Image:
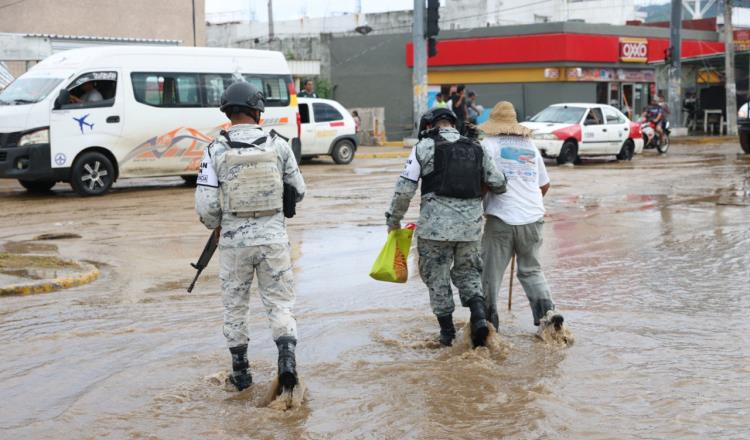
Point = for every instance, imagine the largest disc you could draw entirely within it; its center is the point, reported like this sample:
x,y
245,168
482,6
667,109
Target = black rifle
x,y
290,200
208,252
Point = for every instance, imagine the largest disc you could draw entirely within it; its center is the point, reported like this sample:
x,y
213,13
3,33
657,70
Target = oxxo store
x,y
571,62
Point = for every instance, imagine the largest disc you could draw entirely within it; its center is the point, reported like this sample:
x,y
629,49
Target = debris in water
x,y
57,236
553,333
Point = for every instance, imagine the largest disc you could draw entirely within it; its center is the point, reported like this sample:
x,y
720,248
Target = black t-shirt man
x,y
459,107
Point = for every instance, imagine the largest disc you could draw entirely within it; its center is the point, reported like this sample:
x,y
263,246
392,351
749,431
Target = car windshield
x,y
28,90
560,115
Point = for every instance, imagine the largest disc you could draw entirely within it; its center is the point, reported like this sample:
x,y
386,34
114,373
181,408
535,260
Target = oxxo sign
x,y
633,50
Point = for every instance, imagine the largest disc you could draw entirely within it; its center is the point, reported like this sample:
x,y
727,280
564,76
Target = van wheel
x,y
190,180
92,174
627,151
37,186
568,153
343,152
297,150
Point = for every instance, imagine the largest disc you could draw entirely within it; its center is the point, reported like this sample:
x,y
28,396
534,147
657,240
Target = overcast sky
x,y
291,9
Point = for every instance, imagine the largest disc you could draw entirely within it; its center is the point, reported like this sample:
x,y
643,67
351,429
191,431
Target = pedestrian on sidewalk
x,y
514,219
452,169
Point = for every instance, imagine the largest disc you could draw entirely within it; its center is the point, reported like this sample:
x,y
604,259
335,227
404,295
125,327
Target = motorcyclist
x,y
654,114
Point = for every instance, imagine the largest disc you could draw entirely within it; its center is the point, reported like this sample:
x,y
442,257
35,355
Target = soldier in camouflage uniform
x,y
452,169
240,193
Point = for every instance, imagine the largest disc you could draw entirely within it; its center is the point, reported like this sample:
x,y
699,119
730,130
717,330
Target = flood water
x,y
649,261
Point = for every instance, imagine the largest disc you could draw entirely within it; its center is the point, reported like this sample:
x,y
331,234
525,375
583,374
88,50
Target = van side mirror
x,y
62,99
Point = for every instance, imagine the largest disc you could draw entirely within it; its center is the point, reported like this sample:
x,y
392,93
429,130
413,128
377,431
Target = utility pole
x,y
419,74
674,87
729,84
270,21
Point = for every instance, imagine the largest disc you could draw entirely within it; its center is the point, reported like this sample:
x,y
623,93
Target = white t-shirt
x,y
519,159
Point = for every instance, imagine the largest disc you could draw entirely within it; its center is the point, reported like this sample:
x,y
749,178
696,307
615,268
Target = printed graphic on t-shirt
x,y
412,169
519,163
207,175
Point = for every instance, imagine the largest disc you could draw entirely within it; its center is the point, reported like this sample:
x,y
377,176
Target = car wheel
x,y
568,153
190,180
37,186
93,174
627,151
297,150
343,152
663,145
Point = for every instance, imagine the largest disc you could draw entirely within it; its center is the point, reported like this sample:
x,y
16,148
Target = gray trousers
x,y
273,265
499,242
443,261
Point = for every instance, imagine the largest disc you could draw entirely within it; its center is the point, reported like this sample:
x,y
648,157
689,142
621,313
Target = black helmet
x,y
437,114
242,95
424,121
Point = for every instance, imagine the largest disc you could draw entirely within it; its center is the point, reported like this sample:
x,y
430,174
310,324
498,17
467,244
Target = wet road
x,y
649,261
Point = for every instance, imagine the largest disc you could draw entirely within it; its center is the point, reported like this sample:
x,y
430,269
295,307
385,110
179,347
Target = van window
x,y
92,89
214,85
324,112
274,87
167,89
304,114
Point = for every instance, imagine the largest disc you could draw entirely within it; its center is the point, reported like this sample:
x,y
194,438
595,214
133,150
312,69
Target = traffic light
x,y
432,18
431,47
668,56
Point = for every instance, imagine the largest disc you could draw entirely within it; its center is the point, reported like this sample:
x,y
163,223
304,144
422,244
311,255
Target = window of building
x,y
325,113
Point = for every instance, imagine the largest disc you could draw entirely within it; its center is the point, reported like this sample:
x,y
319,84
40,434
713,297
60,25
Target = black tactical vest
x,y
458,169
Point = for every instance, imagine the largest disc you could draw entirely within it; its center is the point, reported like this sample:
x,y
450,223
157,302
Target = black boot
x,y
287,362
479,325
241,377
493,316
447,330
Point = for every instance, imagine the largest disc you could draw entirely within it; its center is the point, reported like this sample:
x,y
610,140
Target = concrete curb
x,y
89,274
384,155
704,140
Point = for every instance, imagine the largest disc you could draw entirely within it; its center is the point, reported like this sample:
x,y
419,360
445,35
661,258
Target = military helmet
x,y
440,113
242,95
424,121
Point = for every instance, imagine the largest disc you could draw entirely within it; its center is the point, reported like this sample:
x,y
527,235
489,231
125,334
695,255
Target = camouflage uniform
x,y
250,245
448,229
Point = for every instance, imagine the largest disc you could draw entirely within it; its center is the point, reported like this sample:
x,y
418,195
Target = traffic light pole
x,y
674,87
419,74
730,85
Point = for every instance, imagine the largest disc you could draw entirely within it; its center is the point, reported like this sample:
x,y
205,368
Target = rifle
x,y
208,252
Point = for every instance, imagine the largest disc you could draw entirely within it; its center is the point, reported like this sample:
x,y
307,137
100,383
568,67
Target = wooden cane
x,y
510,289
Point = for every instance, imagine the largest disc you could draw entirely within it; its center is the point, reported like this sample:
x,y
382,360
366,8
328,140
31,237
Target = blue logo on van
x,y
82,121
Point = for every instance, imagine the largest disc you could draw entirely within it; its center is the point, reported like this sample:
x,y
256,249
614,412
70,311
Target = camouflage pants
x,y
441,262
273,265
499,242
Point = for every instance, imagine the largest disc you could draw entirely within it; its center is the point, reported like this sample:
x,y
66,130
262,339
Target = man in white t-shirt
x,y
514,219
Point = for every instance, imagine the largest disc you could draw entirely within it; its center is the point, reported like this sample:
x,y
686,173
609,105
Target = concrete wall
x,y
162,19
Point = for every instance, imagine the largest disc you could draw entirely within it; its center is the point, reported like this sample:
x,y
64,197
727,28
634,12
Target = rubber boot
x,y
479,325
287,362
447,330
493,317
241,377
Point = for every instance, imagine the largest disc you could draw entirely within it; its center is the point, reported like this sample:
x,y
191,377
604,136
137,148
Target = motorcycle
x,y
648,129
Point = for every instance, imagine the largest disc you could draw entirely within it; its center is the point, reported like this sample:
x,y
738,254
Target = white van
x,y
91,116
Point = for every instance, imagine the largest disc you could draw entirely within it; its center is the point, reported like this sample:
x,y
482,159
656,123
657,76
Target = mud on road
x,y
648,260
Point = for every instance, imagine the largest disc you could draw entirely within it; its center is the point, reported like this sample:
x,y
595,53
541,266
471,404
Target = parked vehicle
x,y
569,131
743,127
648,128
327,129
156,110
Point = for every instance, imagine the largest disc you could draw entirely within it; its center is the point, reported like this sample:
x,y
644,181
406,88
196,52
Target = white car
x,y
568,131
326,129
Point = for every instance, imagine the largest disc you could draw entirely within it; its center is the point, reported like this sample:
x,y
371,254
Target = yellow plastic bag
x,y
391,263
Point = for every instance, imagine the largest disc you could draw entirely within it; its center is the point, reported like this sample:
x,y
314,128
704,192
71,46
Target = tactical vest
x,y
254,187
458,169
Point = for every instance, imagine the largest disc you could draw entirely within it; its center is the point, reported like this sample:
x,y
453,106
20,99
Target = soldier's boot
x,y
287,363
479,325
447,330
241,377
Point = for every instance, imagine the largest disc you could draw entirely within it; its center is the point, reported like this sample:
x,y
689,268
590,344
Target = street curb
x,y
385,155
90,274
393,144
703,140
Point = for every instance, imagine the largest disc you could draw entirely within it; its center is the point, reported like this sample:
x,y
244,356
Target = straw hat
x,y
503,120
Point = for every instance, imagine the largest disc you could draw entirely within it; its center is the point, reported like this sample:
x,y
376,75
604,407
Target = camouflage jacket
x,y
441,218
242,231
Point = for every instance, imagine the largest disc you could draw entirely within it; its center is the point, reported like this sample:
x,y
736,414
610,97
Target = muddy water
x,y
647,260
